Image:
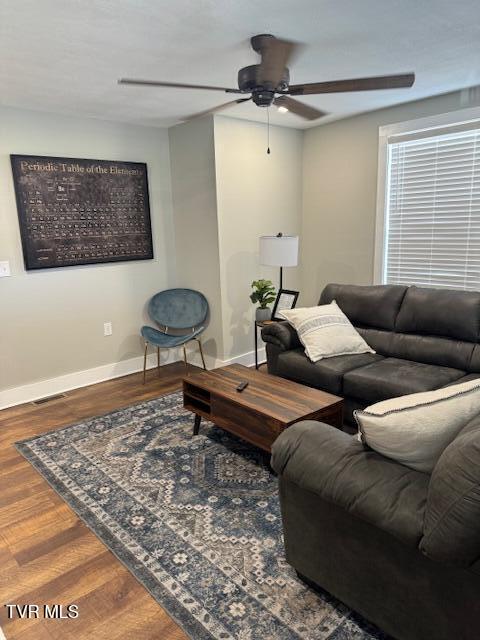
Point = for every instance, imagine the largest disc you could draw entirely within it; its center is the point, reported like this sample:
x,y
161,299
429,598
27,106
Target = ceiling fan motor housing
x,y
263,98
264,94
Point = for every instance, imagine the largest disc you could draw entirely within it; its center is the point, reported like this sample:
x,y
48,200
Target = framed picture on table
x,y
286,300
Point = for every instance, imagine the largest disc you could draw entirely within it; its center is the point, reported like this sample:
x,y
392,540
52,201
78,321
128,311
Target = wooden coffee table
x,y
266,407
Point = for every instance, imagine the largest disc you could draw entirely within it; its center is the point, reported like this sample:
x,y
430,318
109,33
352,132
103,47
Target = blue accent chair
x,y
181,310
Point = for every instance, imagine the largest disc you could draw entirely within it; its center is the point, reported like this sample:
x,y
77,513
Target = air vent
x,y
49,398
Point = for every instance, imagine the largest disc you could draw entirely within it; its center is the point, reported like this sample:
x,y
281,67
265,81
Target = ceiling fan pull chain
x,y
268,130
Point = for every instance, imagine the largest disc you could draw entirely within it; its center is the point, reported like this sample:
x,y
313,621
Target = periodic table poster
x,y
75,211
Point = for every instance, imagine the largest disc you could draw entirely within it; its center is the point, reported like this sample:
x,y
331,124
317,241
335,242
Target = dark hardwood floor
x,y
47,555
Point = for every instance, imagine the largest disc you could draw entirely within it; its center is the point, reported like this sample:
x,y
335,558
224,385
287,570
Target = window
x,y
430,234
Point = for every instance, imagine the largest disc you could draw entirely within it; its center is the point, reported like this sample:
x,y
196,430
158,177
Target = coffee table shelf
x,y
196,399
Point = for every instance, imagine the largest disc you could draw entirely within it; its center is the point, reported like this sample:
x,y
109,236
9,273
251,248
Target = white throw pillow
x,y
325,331
415,429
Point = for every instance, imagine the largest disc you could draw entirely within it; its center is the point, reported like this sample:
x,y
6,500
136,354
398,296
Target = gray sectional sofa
x,y
399,546
424,339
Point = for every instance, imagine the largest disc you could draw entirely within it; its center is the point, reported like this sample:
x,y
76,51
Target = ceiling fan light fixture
x,y
282,109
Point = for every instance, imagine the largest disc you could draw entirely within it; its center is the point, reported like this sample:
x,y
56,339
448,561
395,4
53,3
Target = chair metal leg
x,y
158,360
145,363
201,352
185,359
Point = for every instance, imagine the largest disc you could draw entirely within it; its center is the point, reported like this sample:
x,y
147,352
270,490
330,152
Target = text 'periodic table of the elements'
x,y
75,211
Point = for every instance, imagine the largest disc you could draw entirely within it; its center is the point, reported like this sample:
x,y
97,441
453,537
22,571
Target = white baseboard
x,y
77,379
61,384
247,359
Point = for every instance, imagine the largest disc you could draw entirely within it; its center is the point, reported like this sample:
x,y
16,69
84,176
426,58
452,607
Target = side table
x,y
258,325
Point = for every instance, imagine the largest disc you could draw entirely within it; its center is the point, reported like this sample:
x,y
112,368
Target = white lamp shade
x,y
279,251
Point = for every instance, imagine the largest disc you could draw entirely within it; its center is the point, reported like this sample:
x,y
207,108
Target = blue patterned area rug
x,y
195,519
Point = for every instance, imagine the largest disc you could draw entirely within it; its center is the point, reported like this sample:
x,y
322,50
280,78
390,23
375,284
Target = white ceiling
x,y
65,56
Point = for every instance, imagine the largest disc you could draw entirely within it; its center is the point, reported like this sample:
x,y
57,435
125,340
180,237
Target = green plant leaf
x,y
264,292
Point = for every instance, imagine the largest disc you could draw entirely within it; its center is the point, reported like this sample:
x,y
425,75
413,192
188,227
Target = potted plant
x,y
263,294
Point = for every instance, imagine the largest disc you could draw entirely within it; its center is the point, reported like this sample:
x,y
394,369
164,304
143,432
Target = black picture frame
x,y
101,213
292,300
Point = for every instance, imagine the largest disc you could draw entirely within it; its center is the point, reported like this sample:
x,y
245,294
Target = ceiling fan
x,y
269,82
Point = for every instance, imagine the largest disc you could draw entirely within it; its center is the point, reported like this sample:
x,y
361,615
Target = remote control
x,y
242,386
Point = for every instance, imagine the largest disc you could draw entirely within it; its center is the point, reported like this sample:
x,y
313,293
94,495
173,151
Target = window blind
x,y
432,230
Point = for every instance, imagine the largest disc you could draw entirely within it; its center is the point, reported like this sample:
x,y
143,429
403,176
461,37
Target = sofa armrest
x,y
282,335
341,470
452,516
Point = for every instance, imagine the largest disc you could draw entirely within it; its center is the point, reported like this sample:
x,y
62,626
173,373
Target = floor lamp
x,y
279,251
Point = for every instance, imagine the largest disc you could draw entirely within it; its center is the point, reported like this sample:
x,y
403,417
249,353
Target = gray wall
x,y
340,162
257,194
51,322
192,156
226,193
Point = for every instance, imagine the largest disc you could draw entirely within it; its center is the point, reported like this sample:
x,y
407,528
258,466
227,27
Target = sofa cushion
x,y
326,374
392,377
474,364
379,339
366,306
350,405
467,378
447,313
444,352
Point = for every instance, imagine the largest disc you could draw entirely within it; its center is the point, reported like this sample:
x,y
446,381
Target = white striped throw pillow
x,y
325,331
415,429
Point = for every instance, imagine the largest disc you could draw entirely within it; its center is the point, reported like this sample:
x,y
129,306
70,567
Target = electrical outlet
x,y
4,269
107,329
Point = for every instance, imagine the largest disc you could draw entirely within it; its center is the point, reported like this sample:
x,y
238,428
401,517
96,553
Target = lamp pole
x,y
280,235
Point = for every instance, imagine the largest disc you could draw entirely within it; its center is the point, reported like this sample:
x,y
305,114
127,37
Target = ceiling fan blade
x,y
355,84
299,108
220,107
175,85
275,56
